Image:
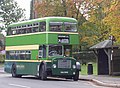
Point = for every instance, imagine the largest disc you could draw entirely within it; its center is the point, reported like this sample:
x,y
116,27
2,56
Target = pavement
x,y
101,80
2,70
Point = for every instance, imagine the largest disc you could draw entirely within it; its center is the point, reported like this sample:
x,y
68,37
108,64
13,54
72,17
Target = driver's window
x,y
55,50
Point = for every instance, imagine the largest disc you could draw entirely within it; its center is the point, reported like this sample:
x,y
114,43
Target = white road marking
x,y
17,85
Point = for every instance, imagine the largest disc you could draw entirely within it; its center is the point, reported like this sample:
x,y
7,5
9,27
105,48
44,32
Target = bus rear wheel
x,y
13,71
43,73
76,76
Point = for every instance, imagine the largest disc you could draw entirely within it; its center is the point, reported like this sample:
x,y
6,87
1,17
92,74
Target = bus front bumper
x,y
63,72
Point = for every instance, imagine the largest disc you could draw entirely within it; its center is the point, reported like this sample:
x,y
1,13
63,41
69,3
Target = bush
x,y
2,58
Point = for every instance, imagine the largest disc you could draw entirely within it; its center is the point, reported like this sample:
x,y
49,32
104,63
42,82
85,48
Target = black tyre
x,y
76,76
43,73
13,71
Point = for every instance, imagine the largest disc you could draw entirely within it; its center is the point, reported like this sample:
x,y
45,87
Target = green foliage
x,y
11,12
112,19
103,21
2,58
89,34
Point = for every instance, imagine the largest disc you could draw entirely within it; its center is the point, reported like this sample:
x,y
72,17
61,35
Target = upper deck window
x,y
56,26
14,32
70,27
59,27
35,24
42,26
9,32
27,28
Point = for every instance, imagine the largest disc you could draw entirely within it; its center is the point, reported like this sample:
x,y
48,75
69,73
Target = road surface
x,y
6,81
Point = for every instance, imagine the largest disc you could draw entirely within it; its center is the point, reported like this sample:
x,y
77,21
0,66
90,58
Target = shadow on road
x,y
48,79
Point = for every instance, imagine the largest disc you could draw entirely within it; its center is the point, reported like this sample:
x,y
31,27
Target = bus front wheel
x,y
43,73
76,76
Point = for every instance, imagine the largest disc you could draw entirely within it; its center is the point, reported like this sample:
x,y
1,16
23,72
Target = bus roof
x,y
42,19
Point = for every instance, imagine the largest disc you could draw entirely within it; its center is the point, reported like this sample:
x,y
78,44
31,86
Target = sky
x,y
25,4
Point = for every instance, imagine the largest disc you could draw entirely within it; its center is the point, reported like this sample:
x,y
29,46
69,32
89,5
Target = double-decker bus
x,y
42,47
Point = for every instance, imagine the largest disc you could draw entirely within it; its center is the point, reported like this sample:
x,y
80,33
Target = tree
x,y
11,12
102,22
112,19
56,8
97,19
68,8
106,16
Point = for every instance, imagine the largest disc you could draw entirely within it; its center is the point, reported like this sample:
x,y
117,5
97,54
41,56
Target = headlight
x,y
78,66
77,63
54,65
74,66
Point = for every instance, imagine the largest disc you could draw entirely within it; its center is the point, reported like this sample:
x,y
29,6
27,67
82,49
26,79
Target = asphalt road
x,y
6,81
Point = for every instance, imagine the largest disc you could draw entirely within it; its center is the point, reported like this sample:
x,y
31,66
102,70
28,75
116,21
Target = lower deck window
x,y
18,55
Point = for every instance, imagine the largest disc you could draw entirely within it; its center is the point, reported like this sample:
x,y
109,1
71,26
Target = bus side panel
x,y
74,39
31,68
8,66
34,55
27,68
26,40
53,38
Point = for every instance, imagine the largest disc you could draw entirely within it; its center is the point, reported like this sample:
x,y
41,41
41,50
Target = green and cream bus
x,y
42,47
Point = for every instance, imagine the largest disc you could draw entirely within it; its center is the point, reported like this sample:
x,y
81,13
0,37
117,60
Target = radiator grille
x,y
64,63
